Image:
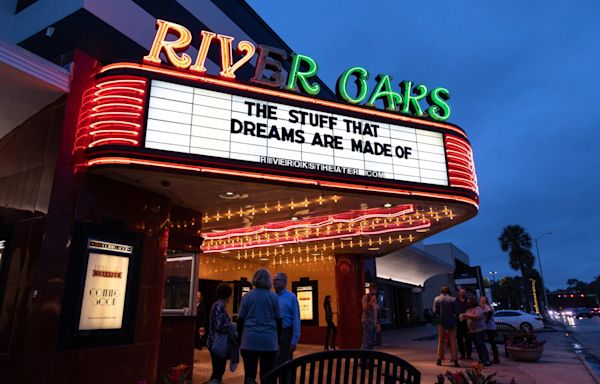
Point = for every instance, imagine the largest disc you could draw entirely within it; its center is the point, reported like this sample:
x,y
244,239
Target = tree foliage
x,y
577,285
517,243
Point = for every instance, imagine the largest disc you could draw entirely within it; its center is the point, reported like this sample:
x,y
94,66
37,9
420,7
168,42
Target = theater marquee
x,y
168,112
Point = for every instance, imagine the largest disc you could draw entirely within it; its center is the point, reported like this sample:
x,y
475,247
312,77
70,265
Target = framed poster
x,y
105,286
307,293
100,297
306,302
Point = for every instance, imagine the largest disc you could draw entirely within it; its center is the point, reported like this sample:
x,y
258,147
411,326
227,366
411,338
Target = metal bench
x,y
504,332
345,367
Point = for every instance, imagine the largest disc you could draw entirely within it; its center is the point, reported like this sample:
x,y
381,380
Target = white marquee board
x,y
198,121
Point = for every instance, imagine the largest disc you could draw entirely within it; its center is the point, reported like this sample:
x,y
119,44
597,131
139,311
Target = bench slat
x,y
311,377
356,367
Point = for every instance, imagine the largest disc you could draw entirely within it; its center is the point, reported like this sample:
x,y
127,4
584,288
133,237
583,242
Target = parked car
x,y
595,311
519,319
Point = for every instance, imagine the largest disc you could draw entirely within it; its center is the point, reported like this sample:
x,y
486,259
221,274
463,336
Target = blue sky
x,y
524,83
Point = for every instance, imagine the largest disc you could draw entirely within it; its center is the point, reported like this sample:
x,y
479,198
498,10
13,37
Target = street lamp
x,y
542,273
493,274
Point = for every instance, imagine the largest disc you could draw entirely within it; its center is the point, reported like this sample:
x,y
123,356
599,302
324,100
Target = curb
x,y
582,358
589,368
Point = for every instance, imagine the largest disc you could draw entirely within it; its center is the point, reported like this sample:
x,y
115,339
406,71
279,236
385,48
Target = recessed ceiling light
x,y
228,195
423,230
315,254
373,249
293,218
263,259
346,238
387,205
224,252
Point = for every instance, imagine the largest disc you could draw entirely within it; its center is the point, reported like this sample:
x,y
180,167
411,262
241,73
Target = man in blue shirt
x,y
290,313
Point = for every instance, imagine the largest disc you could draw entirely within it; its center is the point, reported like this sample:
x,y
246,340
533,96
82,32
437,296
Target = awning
x,y
411,265
29,83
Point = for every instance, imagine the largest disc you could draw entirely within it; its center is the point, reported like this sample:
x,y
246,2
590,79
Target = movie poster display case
x,y
101,291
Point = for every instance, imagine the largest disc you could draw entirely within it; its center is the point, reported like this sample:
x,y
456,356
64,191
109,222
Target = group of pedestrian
x,y
464,321
267,331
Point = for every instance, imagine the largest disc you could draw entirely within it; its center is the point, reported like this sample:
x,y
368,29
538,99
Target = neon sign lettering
x,y
269,72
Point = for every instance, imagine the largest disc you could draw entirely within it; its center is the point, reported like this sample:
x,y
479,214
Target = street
x,y
587,333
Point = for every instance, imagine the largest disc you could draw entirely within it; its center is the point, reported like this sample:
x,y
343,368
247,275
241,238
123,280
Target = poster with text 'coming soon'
x,y
104,292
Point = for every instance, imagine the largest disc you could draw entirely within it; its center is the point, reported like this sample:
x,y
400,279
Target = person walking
x,y
222,337
490,325
444,306
201,322
476,324
331,328
370,318
465,345
259,326
290,319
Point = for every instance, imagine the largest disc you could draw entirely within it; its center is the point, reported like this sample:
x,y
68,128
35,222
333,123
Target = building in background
x,y
127,184
411,277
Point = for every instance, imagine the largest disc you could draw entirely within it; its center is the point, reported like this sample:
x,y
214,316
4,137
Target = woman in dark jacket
x,y
221,326
331,328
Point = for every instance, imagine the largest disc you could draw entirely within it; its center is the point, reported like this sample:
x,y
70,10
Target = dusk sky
x,y
524,84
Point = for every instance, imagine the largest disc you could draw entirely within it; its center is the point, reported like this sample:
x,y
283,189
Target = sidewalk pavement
x,y
559,364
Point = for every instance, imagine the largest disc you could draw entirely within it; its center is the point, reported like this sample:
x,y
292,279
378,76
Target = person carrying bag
x,y
222,338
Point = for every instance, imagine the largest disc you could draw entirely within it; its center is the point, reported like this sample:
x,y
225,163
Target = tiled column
x,y
349,283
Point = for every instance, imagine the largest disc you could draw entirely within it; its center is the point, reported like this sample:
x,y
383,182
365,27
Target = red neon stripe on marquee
x,y
113,113
122,81
116,105
113,122
105,131
131,98
113,139
118,89
316,222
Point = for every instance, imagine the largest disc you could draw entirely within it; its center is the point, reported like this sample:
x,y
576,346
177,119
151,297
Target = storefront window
x,y
178,296
385,305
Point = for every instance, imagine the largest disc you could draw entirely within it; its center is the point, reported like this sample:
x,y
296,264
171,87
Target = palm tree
x,y
516,241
